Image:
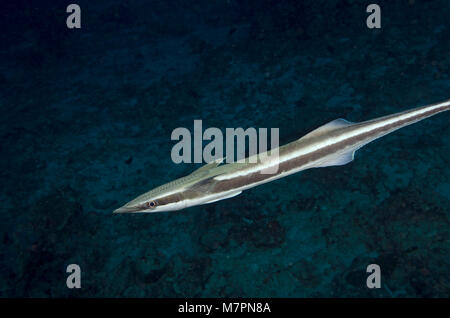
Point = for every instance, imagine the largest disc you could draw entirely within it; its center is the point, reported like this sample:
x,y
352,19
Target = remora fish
x,y
333,144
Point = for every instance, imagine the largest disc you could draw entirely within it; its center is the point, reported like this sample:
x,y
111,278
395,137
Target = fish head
x,y
172,196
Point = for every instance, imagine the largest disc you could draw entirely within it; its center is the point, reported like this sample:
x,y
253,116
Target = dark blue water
x,y
87,115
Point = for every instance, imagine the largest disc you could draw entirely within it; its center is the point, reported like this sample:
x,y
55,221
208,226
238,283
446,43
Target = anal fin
x,y
337,160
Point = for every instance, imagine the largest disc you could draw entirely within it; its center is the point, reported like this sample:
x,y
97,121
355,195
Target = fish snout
x,y
126,209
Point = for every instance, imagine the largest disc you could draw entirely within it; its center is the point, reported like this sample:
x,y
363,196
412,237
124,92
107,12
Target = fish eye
x,y
151,204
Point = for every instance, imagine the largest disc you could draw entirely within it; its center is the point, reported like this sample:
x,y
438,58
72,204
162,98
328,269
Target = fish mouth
x,y
126,209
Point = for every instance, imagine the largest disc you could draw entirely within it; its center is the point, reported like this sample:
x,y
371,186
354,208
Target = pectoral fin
x,y
230,195
209,165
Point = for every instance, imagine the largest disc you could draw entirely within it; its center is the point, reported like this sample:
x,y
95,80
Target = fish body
x,y
332,144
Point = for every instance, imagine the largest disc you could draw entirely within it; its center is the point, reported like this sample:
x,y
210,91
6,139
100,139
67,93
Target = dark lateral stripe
x,y
171,198
188,194
362,139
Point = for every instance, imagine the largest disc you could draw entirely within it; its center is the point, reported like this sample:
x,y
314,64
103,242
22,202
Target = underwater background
x,y
86,120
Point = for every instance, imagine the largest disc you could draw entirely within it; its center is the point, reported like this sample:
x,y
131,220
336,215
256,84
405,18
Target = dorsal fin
x,y
209,166
332,125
